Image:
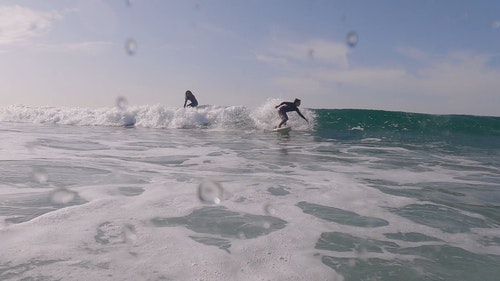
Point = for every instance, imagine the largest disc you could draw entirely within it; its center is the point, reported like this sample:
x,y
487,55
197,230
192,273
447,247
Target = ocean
x,y
161,193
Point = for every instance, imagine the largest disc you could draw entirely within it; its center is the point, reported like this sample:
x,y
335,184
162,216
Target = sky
x,y
426,56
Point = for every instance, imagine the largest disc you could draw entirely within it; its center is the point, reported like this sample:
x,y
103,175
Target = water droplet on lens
x,y
40,175
495,24
129,3
121,103
131,47
362,253
129,233
128,120
210,192
266,225
62,196
269,209
352,39
241,235
311,54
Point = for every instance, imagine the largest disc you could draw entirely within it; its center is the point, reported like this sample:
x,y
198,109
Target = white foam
x,y
112,237
158,116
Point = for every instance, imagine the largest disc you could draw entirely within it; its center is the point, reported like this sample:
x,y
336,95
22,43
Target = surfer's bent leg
x,y
284,118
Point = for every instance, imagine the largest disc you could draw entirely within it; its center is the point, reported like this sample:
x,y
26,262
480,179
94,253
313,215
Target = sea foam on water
x,y
212,193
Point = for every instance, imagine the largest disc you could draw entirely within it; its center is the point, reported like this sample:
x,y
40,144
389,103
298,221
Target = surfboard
x,y
283,130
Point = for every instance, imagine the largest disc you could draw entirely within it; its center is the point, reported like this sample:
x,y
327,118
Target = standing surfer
x,y
191,98
285,107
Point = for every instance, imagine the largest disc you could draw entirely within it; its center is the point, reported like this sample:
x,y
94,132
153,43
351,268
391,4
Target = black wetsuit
x,y
285,107
192,99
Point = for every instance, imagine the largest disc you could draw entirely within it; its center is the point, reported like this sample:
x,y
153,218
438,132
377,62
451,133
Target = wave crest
x,y
157,116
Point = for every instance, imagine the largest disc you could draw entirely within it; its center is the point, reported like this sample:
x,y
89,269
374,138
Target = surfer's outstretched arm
x,y
300,114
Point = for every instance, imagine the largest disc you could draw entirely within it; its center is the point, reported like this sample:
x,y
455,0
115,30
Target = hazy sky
x,y
420,56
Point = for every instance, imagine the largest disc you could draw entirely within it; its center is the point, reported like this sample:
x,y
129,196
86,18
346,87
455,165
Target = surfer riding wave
x,y
190,96
285,107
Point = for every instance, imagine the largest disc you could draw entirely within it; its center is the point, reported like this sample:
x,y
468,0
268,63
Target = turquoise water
x,y
430,143
479,131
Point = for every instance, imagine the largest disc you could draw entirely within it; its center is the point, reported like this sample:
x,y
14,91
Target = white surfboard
x,y
283,130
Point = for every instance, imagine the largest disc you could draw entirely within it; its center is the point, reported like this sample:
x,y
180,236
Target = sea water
x,y
162,193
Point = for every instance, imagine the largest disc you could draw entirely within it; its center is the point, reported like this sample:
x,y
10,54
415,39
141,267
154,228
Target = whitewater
x,y
211,193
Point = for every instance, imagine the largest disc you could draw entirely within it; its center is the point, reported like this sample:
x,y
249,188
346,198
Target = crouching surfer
x,y
191,98
285,107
